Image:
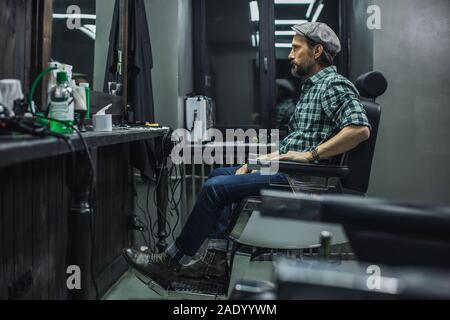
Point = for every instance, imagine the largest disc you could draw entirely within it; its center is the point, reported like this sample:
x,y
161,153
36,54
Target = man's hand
x,y
243,170
302,157
269,157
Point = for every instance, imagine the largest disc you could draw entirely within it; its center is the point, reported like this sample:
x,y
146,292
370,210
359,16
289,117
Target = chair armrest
x,y
369,214
303,169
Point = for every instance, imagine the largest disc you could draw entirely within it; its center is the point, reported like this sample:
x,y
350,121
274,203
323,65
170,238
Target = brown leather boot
x,y
159,266
213,266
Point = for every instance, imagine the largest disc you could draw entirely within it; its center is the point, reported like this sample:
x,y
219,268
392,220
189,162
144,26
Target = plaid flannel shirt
x,y
285,110
329,103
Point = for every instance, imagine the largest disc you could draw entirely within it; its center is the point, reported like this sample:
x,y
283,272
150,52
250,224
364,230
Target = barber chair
x,y
409,244
253,236
380,231
262,238
295,281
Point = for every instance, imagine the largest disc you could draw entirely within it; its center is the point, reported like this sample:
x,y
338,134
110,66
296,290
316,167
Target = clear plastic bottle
x,y
61,105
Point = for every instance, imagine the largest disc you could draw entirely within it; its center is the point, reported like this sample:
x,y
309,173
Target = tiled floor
x,y
129,287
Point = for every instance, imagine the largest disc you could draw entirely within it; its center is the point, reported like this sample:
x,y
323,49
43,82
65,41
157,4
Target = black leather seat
x,y
353,168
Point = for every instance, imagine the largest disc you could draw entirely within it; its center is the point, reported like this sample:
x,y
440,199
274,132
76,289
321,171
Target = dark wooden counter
x,y
44,225
21,148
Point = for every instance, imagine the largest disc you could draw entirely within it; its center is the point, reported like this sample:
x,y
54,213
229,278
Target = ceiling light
x,y
285,33
318,12
255,39
311,6
293,1
87,32
283,45
254,11
74,16
289,22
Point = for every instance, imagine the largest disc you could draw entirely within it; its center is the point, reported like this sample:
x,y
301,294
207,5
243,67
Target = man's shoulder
x,y
338,82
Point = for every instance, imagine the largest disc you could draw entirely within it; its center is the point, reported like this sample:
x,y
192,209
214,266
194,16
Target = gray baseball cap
x,y
320,33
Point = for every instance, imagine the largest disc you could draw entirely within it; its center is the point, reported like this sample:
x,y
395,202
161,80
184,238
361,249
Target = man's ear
x,y
318,50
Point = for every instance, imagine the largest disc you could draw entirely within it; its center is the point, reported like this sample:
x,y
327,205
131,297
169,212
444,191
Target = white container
x,y
103,123
10,90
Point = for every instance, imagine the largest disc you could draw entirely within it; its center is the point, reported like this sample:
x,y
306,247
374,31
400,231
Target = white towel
x,y
79,96
10,91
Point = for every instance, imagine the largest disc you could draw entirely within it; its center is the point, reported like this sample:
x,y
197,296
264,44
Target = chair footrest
x,y
207,287
185,288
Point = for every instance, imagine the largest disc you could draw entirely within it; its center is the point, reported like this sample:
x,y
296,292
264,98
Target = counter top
x,y
20,148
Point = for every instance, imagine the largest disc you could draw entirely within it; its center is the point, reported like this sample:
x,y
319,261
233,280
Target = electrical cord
x,y
35,84
163,167
146,223
177,204
147,243
149,216
174,200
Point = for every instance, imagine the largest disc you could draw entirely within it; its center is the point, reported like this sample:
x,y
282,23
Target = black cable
x,y
151,233
163,168
142,231
146,223
174,198
171,197
179,183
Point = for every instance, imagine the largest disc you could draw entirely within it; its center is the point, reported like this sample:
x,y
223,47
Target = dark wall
x,y
16,19
361,39
412,48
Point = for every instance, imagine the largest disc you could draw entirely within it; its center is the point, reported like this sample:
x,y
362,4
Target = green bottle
x,y
61,105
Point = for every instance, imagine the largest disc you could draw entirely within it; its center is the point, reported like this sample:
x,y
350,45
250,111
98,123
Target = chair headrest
x,y
372,84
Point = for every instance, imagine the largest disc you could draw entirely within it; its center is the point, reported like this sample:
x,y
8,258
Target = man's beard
x,y
301,71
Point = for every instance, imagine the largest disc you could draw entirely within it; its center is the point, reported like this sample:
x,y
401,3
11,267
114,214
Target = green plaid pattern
x,y
329,103
285,110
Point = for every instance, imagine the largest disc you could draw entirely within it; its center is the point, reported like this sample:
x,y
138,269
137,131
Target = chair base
x,y
185,288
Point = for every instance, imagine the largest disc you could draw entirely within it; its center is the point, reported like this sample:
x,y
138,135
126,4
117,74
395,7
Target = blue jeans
x,y
212,211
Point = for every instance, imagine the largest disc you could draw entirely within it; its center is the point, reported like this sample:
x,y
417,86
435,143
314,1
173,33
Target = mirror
x,y
80,37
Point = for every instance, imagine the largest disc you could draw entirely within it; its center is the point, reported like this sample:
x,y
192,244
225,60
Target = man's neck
x,y
316,69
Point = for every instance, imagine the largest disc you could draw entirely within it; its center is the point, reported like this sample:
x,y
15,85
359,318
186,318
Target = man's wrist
x,y
315,155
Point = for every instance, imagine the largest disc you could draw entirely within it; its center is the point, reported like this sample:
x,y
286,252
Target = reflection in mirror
x,y
232,41
288,13
80,38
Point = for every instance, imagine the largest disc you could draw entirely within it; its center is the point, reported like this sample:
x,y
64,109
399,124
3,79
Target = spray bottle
x,y
61,106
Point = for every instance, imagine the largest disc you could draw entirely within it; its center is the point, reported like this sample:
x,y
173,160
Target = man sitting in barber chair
x,y
329,121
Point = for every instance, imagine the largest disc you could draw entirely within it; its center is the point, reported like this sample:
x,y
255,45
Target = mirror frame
x,y
46,44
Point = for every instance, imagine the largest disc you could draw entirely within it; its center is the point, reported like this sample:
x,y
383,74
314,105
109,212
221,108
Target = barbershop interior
x,y
224,150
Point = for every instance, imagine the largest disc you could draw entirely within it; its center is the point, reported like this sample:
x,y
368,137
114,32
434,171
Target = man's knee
x,y
218,172
213,182
213,189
